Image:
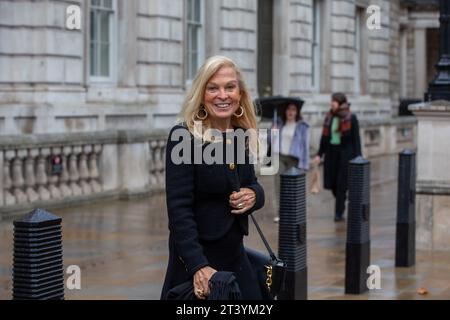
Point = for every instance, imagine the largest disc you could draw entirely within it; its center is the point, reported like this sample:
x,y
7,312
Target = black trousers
x,y
339,178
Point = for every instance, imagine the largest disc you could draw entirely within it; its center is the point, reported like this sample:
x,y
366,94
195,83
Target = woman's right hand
x,y
316,160
201,281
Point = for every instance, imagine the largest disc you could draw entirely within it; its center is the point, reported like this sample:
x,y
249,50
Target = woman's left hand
x,y
242,201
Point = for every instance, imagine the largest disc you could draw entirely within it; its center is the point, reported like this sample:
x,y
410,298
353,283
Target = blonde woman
x,y
208,204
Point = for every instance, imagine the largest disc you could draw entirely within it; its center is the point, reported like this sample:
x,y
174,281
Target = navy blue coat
x,y
197,198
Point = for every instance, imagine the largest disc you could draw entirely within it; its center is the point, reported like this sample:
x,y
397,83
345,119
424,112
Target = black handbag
x,y
271,270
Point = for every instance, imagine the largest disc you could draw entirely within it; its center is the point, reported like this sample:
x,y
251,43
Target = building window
x,y
194,37
102,23
316,45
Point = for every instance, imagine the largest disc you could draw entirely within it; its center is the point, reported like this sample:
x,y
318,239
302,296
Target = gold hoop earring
x,y
241,114
205,116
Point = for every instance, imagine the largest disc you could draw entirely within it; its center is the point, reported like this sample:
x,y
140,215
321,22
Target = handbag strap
x,y
236,187
263,238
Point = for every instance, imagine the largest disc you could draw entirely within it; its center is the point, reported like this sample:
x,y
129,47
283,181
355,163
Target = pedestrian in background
x,y
293,147
339,144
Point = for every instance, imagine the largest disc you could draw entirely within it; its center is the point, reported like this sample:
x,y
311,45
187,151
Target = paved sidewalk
x,y
121,247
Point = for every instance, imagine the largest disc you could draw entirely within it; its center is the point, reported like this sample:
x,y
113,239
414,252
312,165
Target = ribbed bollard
x,y
405,249
38,272
358,227
292,234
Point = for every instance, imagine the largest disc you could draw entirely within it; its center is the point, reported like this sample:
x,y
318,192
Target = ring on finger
x,y
200,292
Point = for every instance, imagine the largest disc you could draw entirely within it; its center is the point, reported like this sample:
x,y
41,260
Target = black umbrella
x,y
223,286
271,107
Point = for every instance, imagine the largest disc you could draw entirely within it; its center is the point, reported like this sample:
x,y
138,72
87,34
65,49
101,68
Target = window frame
x,y
113,20
200,41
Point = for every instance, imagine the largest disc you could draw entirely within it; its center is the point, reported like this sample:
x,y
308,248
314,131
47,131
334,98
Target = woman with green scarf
x,y
339,144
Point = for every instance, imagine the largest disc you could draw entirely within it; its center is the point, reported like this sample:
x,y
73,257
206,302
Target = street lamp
x,y
439,88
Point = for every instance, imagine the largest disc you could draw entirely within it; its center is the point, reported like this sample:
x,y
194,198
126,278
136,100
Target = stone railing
x,y
381,137
157,162
26,176
54,170
123,164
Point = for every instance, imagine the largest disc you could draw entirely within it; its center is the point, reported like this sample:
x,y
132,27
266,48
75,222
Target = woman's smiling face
x,y
222,94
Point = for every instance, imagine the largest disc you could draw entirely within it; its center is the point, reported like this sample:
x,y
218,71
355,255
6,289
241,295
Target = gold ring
x,y
200,292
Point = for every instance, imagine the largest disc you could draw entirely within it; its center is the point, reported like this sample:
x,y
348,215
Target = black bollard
x,y
358,227
38,271
405,248
292,234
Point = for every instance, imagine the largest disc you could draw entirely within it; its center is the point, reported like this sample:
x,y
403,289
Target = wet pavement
x,y
121,247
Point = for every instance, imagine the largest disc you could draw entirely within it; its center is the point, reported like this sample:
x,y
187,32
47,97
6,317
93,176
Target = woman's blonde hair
x,y
194,98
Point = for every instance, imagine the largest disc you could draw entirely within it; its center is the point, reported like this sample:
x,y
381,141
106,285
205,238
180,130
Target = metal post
x,y
439,88
292,234
38,272
405,249
358,227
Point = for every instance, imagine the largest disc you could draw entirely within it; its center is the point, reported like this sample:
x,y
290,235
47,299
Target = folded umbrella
x,y
222,286
184,291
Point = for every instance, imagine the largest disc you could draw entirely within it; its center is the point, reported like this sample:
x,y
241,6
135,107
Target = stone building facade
x,y
103,96
418,46
308,48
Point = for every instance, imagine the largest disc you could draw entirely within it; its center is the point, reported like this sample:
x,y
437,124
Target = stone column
x,y
1,179
325,75
404,62
133,164
281,46
433,175
212,28
127,33
109,167
93,168
420,61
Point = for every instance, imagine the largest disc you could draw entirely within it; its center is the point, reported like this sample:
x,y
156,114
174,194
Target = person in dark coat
x,y
208,202
340,143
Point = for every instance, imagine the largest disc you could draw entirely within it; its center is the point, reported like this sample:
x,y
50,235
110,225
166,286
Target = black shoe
x,y
338,219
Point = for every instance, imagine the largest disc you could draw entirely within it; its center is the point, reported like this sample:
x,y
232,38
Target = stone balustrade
x,y
124,163
93,166
157,162
381,137
27,176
